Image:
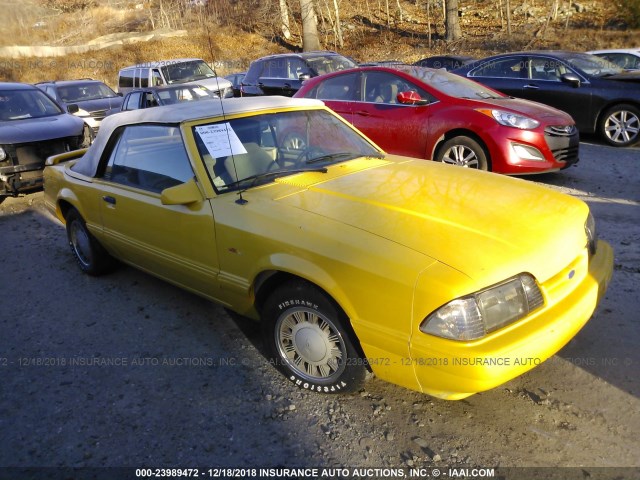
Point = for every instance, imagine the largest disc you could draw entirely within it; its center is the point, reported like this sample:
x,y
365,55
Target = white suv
x,y
172,72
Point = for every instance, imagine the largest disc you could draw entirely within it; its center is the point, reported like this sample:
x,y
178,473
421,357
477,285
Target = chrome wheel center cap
x,y
310,342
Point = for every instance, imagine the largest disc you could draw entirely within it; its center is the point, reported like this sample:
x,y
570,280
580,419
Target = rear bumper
x,y
454,370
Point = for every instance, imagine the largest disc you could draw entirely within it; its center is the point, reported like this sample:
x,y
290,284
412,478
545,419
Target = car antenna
x,y
239,201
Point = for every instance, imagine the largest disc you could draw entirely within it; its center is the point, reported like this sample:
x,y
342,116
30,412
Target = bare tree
x,y
400,12
452,24
310,39
284,18
335,24
508,8
338,27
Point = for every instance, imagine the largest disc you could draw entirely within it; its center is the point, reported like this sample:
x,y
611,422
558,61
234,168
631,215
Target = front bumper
x,y
19,178
22,169
546,150
454,370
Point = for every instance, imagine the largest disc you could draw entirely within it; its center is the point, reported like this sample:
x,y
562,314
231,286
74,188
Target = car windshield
x,y
23,104
250,151
329,63
452,85
181,72
84,91
593,65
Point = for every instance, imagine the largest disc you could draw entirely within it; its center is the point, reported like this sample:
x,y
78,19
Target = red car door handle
x,y
363,113
109,199
532,87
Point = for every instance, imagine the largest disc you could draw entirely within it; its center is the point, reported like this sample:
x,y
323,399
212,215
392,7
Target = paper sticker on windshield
x,y
221,140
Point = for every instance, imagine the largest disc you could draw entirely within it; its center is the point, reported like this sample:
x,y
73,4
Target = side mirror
x,y
73,108
120,94
183,194
571,78
411,98
304,76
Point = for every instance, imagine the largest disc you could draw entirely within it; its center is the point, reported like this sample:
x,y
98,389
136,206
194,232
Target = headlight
x,y
510,119
476,315
3,154
592,234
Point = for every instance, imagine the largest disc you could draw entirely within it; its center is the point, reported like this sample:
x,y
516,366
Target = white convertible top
x,y
178,113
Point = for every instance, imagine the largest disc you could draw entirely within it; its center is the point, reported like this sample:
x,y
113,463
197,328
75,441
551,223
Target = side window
x,y
156,78
296,67
544,69
149,157
624,60
133,101
144,78
512,67
382,87
149,100
51,92
126,79
275,68
342,87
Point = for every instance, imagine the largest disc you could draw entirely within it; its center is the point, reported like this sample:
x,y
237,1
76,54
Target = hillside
x,y
232,33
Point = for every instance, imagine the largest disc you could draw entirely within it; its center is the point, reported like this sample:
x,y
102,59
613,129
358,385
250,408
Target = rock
x,y
421,442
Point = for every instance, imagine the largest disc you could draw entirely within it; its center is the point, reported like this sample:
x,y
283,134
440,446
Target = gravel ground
x,y
128,371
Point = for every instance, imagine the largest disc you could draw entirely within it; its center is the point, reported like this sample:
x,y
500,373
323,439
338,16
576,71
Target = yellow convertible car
x,y
444,280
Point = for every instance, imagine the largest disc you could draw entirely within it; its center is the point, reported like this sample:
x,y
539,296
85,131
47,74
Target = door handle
x,y
363,113
287,85
532,87
109,199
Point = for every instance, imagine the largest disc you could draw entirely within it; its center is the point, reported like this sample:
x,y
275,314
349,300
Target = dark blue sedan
x,y
32,127
601,98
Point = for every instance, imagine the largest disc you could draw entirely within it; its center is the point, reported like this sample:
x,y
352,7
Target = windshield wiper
x,y
253,179
331,156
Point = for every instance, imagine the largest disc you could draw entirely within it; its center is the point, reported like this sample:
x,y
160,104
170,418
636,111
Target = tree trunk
x,y
429,23
508,7
284,17
453,31
310,40
337,27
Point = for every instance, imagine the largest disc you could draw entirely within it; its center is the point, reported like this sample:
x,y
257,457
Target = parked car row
x,y
424,114
601,98
483,122
432,114
67,116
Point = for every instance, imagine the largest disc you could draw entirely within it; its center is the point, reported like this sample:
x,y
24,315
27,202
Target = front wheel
x,y
463,152
620,125
92,258
306,337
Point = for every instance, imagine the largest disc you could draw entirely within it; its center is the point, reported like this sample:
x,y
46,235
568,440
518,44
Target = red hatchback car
x,y
425,113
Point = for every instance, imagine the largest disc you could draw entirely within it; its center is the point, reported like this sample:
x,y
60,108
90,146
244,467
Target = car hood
x,y
482,224
532,109
38,129
629,76
99,104
214,84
